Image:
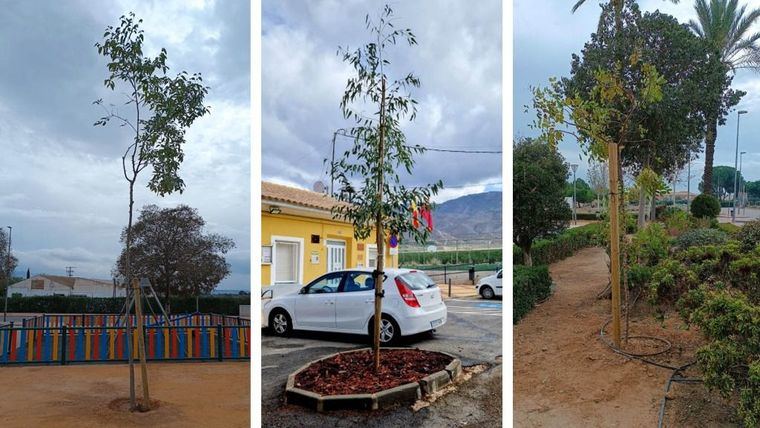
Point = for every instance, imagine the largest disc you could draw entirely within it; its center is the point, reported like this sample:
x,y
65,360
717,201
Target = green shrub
x,y
676,220
701,237
649,245
730,362
705,206
639,276
731,230
224,305
547,251
531,285
749,235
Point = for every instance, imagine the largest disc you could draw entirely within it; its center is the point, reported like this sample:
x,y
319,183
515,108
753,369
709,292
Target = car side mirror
x,y
498,276
302,290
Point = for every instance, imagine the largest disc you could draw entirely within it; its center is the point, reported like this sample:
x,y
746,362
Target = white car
x,y
344,302
490,286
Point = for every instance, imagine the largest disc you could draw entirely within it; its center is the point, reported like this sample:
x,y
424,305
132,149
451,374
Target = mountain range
x,y
470,217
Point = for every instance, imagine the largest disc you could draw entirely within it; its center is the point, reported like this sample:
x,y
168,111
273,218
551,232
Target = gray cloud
x,y
61,185
458,60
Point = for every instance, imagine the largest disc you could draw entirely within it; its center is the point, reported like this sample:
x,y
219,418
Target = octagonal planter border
x,y
403,394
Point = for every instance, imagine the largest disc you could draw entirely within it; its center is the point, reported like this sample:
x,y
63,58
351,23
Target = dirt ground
x,y
189,395
564,375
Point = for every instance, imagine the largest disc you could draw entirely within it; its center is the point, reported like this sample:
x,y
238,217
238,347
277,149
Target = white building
x,y
52,285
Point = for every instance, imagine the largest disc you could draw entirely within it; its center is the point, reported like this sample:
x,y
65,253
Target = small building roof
x,y
292,195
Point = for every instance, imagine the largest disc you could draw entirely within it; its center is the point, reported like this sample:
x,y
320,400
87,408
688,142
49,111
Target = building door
x,y
336,255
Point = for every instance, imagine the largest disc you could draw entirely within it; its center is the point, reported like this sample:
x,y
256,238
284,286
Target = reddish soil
x,y
353,372
564,375
96,395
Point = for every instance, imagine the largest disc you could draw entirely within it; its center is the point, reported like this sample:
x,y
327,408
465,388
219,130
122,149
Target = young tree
x,y
170,248
727,29
599,180
8,262
540,209
164,107
368,173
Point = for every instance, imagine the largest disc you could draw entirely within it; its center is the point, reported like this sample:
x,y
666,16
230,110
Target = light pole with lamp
x,y
574,167
741,184
736,161
8,273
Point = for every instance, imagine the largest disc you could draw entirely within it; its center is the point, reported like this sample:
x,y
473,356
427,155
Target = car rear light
x,y
406,294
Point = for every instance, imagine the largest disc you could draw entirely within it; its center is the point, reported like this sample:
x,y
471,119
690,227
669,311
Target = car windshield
x,y
417,280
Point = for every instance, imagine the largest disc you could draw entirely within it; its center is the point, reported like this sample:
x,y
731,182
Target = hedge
x,y
548,251
450,257
531,285
224,305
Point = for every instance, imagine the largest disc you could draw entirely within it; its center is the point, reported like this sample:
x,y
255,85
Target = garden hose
x,y
671,379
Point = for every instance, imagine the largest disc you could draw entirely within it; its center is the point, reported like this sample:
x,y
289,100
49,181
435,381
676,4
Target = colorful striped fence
x,y
64,344
109,320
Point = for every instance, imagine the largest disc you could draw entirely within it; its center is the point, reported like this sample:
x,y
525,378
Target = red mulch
x,y
353,372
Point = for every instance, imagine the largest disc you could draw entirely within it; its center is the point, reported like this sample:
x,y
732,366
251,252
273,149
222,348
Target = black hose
x,y
671,379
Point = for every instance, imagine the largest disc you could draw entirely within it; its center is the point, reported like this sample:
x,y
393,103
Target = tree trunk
x,y
710,135
527,256
379,236
653,213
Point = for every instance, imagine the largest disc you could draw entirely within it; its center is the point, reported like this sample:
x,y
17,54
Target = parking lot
x,y
472,333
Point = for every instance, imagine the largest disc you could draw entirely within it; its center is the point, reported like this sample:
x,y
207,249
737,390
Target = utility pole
x,y
575,216
332,160
675,178
688,184
741,184
736,161
70,270
8,274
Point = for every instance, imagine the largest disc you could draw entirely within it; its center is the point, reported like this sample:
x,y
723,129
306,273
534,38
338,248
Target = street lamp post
x,y
8,273
741,184
574,167
736,161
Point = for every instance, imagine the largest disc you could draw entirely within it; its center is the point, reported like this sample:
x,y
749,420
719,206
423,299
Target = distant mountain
x,y
470,217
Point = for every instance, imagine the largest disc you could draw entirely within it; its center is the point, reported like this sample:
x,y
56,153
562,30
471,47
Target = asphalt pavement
x,y
472,333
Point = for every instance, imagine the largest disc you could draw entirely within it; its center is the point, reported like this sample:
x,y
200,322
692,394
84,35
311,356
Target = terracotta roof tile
x,y
295,196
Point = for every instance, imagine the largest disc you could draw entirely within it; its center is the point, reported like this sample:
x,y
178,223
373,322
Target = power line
x,y
433,149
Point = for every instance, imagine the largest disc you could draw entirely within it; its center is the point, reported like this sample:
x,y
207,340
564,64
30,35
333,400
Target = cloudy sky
x,y
61,184
546,53
458,59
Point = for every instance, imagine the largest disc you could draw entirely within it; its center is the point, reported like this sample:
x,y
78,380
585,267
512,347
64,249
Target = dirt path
x,y
95,395
565,376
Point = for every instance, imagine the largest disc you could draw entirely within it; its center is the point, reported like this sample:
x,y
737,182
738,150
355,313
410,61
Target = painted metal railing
x,y
62,339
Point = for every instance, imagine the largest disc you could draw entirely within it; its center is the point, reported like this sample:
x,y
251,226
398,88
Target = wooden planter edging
x,y
402,394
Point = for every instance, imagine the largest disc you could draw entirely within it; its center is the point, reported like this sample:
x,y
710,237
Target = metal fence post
x,y
63,345
449,287
444,273
219,342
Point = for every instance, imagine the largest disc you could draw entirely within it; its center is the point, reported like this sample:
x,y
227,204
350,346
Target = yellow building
x,y
301,240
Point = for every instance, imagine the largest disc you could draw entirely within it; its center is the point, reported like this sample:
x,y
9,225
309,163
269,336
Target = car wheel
x,y
389,330
486,292
280,323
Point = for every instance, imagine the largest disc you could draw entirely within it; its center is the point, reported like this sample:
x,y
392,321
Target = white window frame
x,y
289,239
366,258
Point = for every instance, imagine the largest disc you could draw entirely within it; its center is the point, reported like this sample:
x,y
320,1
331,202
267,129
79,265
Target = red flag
x,y
428,216
415,220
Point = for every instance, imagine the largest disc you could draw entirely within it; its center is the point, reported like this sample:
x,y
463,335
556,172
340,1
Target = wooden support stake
x,y
141,345
614,240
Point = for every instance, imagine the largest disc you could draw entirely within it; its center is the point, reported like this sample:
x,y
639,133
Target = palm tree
x,y
725,26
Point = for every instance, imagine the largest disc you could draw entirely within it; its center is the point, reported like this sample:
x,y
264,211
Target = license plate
x,y
436,323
